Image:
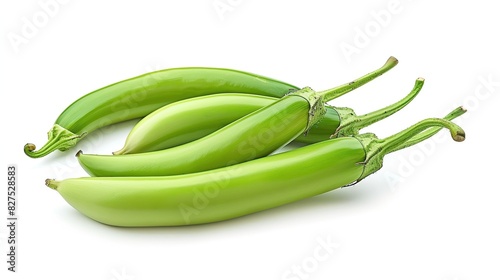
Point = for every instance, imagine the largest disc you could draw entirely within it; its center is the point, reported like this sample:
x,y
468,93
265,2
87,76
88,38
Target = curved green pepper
x,y
237,190
188,120
141,95
255,135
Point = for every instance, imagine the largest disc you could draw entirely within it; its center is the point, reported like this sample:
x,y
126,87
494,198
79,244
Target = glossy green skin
x,y
255,135
141,95
323,129
220,194
188,120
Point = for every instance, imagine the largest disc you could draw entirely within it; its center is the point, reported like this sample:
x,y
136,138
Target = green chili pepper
x,y
141,95
187,120
255,135
237,190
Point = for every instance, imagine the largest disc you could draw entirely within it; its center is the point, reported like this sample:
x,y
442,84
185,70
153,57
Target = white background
x,y
432,212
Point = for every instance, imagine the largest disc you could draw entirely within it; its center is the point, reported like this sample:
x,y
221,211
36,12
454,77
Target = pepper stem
x,y
351,124
51,183
59,139
376,149
335,92
431,131
317,100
